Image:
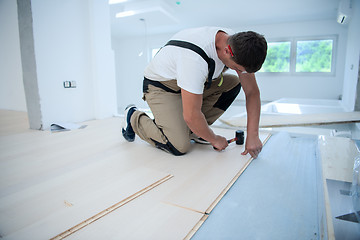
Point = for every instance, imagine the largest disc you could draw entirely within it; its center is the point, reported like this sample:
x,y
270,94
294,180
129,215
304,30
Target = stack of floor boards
x,y
281,120
92,184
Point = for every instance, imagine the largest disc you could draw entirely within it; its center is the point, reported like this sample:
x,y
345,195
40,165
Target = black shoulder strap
x,y
198,50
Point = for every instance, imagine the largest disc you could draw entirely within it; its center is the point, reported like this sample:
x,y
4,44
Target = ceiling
x,y
169,16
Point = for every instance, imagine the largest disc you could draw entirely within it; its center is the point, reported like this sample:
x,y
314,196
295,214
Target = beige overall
x,y
168,130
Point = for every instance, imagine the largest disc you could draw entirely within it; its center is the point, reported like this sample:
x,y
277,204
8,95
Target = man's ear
x,y
228,51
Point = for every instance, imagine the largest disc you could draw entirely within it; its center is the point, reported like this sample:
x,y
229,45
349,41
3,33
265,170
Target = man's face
x,y
234,66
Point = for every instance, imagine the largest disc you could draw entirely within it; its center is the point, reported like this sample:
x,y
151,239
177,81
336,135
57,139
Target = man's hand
x,y
253,146
220,143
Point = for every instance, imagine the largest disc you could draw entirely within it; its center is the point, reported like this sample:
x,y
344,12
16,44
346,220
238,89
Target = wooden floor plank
x,y
46,213
108,210
148,220
146,217
52,182
202,176
13,122
280,120
48,154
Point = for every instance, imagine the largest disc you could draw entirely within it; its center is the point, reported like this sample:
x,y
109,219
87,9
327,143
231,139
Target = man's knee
x,y
183,147
177,149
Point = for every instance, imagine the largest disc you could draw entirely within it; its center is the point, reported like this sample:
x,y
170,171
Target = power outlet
x,y
69,84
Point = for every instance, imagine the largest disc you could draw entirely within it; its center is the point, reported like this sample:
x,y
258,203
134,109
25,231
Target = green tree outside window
x,y
314,56
277,58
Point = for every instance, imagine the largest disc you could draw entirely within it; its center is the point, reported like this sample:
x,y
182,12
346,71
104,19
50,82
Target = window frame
x,y
293,51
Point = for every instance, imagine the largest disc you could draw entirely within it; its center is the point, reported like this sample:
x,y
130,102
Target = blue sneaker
x,y
127,130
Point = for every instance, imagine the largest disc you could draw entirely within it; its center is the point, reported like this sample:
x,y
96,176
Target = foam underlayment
x,y
275,198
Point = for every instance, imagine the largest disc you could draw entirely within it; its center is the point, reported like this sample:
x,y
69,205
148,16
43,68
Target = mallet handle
x,y
232,140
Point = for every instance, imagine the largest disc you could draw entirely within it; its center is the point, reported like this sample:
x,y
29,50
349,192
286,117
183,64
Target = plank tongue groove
x,y
109,210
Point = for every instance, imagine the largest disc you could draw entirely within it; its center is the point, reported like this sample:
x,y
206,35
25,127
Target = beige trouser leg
x,y
169,131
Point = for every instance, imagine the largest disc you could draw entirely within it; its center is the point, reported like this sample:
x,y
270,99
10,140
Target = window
x,y
300,56
314,56
277,58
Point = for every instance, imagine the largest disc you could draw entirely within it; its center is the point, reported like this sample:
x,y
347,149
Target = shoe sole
x,y
125,124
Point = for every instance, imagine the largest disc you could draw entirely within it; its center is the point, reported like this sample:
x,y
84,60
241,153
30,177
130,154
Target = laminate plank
x,y
155,215
148,220
279,120
44,212
13,122
203,175
108,210
48,154
146,217
51,182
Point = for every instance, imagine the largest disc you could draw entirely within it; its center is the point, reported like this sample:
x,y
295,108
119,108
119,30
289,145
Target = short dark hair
x,y
249,49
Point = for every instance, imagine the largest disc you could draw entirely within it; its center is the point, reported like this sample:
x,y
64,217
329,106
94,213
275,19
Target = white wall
x,y
130,67
103,60
12,95
62,52
72,43
352,59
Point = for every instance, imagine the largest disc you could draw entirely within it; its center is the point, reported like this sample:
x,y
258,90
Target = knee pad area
x,y
170,148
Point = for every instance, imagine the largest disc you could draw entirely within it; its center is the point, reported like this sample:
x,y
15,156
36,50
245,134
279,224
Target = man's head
x,y
248,49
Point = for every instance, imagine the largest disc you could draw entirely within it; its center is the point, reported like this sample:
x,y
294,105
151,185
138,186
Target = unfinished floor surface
x,y
275,198
53,182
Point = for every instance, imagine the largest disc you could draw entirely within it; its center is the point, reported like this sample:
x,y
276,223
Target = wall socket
x,y
69,84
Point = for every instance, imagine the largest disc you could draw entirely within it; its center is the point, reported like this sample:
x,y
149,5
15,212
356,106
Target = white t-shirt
x,y
186,66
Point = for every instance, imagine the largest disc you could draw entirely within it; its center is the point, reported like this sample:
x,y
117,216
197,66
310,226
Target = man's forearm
x,y
253,108
196,121
253,144
198,125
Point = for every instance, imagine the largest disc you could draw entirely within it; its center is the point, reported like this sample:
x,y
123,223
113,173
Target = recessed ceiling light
x,y
125,14
116,1
150,6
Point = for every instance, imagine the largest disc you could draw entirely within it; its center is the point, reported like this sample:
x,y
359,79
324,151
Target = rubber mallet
x,y
239,138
